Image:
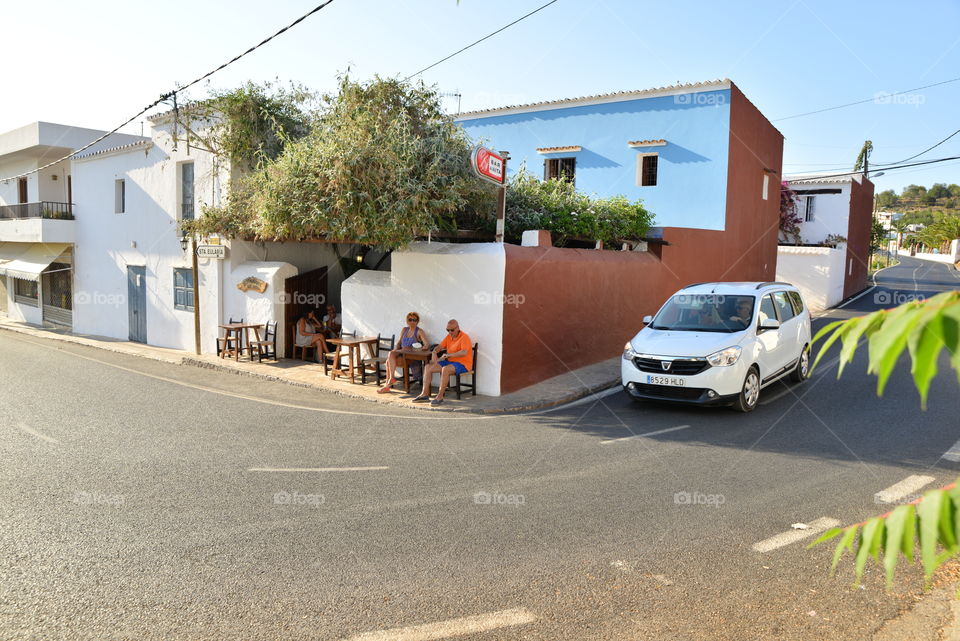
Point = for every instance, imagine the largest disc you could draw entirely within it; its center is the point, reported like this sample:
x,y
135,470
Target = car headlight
x,y
628,353
725,357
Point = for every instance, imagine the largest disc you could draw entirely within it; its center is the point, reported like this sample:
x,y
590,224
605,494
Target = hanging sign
x,y
488,165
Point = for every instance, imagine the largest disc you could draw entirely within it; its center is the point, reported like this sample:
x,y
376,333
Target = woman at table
x,y
309,334
411,337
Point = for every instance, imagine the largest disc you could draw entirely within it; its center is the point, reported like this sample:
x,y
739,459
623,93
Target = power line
x,y
851,173
873,99
171,94
489,35
884,164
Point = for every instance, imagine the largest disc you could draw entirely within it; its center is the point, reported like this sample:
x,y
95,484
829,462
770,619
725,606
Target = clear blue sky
x,y
96,63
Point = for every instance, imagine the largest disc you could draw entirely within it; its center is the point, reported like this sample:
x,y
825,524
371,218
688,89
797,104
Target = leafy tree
x,y
878,237
790,218
954,190
924,329
913,192
900,226
557,206
938,190
887,199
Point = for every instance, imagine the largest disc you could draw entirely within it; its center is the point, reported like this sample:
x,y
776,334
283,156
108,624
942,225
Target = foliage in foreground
x,y
924,328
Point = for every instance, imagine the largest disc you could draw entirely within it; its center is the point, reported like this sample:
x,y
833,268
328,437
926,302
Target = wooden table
x,y
240,332
352,344
410,354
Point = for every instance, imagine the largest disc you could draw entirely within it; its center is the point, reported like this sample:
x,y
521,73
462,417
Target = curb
x,y
200,362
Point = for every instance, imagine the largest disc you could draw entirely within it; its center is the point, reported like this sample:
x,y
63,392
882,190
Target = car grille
x,y
669,392
682,367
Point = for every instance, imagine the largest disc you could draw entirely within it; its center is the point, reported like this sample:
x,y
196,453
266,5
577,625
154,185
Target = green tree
x,y
900,226
887,199
938,190
913,193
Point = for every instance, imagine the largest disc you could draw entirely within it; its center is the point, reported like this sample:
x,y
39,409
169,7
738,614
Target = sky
x,y
96,63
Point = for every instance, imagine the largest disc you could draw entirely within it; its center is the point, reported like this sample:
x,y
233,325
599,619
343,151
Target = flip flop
x,y
422,399
386,389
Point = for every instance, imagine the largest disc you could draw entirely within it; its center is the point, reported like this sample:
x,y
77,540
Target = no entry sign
x,y
488,165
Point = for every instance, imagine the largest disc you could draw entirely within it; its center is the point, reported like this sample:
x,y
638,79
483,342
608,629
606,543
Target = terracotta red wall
x,y
580,306
858,237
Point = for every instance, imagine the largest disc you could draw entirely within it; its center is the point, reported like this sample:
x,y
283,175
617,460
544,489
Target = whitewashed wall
x,y
949,258
816,271
440,281
831,213
253,306
145,234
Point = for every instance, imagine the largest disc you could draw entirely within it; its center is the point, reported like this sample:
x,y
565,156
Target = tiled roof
x,y
553,150
690,87
822,177
647,143
132,145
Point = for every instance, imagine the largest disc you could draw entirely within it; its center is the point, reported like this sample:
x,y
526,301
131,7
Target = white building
x,y
37,225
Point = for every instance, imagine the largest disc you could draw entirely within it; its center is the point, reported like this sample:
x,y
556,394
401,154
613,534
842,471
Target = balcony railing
x,y
45,209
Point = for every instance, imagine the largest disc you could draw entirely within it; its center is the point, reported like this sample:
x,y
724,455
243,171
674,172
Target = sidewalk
x,y
558,390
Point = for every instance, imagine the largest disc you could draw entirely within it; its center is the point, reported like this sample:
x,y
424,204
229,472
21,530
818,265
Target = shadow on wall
x,y
677,154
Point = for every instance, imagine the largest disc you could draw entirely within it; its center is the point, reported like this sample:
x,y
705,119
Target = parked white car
x,y
719,343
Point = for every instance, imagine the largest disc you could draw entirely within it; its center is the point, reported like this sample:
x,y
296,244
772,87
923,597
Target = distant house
x,y
833,260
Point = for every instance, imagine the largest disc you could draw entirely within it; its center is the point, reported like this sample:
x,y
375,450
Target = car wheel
x,y
802,371
750,392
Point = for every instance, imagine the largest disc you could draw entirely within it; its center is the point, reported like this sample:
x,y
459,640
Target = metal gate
x,y
57,289
137,302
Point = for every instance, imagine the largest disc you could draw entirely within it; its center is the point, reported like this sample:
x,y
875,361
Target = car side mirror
x,y
769,323
647,319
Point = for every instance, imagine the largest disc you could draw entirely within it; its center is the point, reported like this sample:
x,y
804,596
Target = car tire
x,y
750,391
801,372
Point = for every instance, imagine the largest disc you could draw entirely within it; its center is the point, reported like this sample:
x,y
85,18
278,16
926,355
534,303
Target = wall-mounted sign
x,y
211,251
488,165
251,283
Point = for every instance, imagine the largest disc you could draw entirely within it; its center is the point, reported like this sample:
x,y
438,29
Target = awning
x,y
27,262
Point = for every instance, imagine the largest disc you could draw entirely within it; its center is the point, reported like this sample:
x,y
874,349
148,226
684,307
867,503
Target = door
x,y
302,293
769,339
22,190
790,329
137,302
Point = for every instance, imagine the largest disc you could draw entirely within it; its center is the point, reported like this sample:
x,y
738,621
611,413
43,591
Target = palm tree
x,y
900,226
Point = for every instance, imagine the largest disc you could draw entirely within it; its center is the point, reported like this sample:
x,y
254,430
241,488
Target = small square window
x,y
25,292
647,170
560,169
183,289
119,196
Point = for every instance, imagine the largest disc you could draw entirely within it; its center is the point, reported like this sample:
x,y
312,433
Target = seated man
x,y
454,355
331,322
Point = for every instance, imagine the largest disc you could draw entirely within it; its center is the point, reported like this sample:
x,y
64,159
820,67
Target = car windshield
x,y
705,313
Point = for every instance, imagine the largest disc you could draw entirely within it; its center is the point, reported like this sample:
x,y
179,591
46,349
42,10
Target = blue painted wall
x,y
691,188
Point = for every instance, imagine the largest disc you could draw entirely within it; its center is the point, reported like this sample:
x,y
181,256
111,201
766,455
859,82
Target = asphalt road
x,y
141,500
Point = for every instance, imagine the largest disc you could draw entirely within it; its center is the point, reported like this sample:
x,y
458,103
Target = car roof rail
x,y
773,283
709,282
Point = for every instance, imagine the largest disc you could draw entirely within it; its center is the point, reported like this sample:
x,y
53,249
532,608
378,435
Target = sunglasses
x,y
413,320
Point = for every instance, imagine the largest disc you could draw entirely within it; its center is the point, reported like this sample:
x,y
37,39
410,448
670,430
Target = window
x,y
767,310
766,186
119,196
808,208
22,190
784,306
560,168
25,292
647,170
183,289
186,191
797,301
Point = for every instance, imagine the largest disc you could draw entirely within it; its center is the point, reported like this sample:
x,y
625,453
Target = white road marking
x,y
841,306
451,628
33,432
906,487
792,536
592,398
953,454
318,469
633,436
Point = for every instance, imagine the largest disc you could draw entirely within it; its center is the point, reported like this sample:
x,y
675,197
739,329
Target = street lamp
x,y
184,241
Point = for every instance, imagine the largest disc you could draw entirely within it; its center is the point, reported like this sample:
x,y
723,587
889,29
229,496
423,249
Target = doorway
x,y
137,302
302,293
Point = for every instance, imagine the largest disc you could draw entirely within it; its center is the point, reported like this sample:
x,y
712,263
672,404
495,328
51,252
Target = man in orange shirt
x,y
454,355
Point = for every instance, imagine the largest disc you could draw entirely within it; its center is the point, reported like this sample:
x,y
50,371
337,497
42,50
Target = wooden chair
x,y
331,357
268,346
376,364
472,373
225,342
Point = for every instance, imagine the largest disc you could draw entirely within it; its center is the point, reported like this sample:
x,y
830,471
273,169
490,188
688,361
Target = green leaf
x,y
872,531
896,527
837,328
826,536
929,511
909,542
886,344
851,338
846,543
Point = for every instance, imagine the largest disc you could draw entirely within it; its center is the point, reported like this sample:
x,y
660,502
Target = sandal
x,y
386,389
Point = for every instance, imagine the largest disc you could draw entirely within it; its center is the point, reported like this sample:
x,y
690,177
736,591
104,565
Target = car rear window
x,y
784,306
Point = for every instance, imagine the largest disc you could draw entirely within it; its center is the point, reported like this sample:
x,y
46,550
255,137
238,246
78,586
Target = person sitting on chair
x,y
308,332
454,355
332,323
411,337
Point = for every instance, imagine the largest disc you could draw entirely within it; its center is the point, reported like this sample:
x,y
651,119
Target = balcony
x,y
40,222
45,209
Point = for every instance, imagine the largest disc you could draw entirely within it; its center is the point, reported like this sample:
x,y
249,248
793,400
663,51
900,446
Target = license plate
x,y
665,380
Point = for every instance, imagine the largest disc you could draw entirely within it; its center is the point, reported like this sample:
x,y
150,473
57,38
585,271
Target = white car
x,y
719,343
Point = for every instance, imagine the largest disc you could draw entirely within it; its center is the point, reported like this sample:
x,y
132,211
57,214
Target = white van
x,y
719,343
